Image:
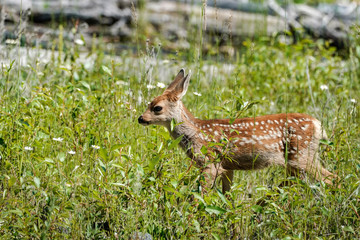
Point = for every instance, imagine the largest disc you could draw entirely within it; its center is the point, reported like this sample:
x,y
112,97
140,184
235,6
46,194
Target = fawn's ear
x,y
176,81
180,85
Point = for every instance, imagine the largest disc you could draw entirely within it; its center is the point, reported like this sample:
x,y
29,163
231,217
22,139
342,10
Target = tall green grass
x,y
75,163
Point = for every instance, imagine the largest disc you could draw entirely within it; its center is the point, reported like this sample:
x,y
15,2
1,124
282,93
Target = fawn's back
x,y
254,143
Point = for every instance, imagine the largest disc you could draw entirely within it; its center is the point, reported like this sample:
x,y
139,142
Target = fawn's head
x,y
167,106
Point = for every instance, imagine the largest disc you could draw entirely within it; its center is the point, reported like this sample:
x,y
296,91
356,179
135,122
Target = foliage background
x,y
75,163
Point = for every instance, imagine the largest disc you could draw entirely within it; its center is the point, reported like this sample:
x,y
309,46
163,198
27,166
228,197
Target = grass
x,y
75,163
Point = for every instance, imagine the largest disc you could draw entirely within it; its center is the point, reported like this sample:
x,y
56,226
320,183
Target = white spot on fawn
x,y
305,127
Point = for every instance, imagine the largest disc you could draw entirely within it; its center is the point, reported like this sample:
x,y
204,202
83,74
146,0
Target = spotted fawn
x,y
287,139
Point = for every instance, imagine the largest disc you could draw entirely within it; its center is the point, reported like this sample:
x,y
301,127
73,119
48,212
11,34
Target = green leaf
x,y
174,143
103,154
42,135
196,225
215,209
327,142
49,160
172,125
37,182
257,208
222,197
171,189
153,162
86,85
102,165
119,184
61,156
160,147
348,229
116,147
199,197
174,183
216,236
17,212
106,70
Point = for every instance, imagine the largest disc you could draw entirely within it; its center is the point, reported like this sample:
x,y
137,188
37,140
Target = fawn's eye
x,y
157,109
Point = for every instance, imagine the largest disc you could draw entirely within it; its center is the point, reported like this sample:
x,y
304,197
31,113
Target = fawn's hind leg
x,y
293,172
310,163
320,173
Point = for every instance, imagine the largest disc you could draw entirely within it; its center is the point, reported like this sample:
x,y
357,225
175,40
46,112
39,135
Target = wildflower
x,y
79,41
95,147
197,94
58,139
324,87
71,152
28,148
353,100
149,86
160,85
11,41
246,103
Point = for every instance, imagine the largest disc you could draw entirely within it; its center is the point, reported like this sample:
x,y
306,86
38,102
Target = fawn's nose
x,y
141,120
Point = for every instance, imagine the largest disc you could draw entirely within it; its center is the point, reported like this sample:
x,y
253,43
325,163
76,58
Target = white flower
x,y
95,147
160,85
197,94
324,87
149,86
353,100
71,152
246,103
79,41
28,148
11,41
58,139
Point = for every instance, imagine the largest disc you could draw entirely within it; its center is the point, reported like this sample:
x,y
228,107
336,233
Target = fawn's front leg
x,y
214,170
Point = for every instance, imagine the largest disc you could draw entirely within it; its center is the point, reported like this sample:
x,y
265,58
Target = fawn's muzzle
x,y
142,121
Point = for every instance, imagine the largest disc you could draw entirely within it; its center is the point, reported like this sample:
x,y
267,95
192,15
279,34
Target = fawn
x,y
290,140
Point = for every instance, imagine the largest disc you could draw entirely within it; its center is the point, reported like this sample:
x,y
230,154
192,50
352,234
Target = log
x,y
220,21
315,22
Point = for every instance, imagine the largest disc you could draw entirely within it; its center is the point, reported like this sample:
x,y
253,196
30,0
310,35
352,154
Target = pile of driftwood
x,y
220,20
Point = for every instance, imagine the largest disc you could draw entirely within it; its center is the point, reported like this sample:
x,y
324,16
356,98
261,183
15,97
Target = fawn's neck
x,y
185,126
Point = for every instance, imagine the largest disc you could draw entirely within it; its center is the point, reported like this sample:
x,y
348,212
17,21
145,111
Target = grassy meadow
x,y
75,164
